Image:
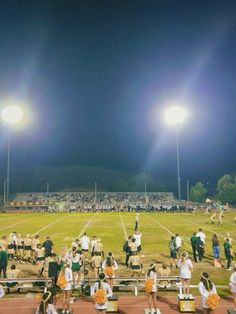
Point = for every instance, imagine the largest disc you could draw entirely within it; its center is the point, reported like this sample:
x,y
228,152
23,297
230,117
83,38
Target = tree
x,y
226,189
198,193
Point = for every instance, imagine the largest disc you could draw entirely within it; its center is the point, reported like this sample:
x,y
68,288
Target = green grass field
x,y
112,228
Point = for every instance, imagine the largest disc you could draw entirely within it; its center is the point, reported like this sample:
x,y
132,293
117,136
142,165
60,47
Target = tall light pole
x,y
12,115
174,116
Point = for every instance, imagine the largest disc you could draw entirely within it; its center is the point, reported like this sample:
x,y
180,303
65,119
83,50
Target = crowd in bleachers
x,y
99,202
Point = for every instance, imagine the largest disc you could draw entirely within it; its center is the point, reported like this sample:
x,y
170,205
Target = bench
x,y
137,284
27,283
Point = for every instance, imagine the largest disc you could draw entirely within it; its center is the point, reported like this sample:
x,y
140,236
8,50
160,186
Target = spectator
x,y
228,253
48,245
137,236
193,241
173,252
200,249
3,262
216,247
126,249
178,242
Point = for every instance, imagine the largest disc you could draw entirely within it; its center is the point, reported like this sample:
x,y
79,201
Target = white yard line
x,y
50,224
167,230
212,231
16,224
86,226
123,227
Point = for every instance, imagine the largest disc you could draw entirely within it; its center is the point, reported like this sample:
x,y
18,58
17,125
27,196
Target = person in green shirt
x,y
193,241
228,253
173,252
3,262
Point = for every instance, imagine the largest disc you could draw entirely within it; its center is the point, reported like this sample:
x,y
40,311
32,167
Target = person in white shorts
x,y
185,271
152,295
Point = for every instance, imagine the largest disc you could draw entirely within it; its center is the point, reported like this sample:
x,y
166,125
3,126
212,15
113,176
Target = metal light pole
x,y
177,159
174,116
12,115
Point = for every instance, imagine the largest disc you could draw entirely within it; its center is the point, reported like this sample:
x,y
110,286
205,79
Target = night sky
x,y
97,75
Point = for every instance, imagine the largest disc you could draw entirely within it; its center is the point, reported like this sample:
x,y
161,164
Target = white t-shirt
x,y
184,268
232,282
178,242
84,241
202,236
137,238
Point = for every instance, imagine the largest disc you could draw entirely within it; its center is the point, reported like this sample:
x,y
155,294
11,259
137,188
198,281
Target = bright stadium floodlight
x,y
12,115
174,116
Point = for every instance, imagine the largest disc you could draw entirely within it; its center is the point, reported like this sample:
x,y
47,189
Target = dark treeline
x,y
83,178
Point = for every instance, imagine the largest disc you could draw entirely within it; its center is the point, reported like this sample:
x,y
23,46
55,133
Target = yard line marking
x,y
86,225
13,225
123,226
18,223
214,232
49,225
167,230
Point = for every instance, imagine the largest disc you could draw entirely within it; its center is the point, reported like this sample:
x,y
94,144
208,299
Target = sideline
x,y
123,227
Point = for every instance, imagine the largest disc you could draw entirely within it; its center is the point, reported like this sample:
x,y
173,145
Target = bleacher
x,y
67,199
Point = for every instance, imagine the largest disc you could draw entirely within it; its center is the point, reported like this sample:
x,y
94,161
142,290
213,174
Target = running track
x,y
127,305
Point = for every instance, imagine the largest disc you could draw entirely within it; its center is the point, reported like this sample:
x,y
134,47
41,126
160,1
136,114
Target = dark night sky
x,y
97,74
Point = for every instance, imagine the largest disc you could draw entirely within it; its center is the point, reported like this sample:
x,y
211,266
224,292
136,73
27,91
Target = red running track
x,y
127,305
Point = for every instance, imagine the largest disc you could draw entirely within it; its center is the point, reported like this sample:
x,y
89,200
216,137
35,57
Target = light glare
x,y
175,115
12,114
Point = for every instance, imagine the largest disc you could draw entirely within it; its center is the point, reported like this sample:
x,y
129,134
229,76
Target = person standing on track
x,y
206,288
151,288
101,291
67,290
232,285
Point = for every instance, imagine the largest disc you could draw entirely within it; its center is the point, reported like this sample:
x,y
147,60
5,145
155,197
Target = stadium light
x,y
174,116
12,115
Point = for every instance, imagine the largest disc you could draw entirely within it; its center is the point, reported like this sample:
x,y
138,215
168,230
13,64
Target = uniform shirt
x,y
96,261
232,282
84,241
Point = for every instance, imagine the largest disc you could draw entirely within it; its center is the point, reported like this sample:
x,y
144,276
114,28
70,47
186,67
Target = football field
x,y
113,228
